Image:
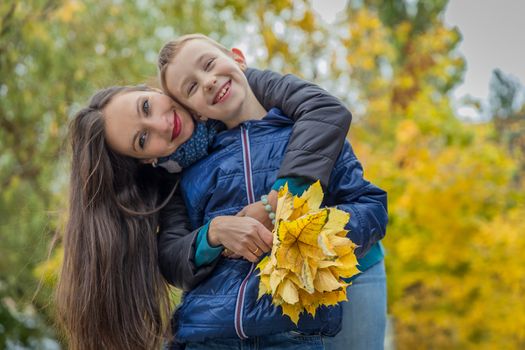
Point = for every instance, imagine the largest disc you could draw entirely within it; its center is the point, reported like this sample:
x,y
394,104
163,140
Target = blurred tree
x,y
507,107
448,182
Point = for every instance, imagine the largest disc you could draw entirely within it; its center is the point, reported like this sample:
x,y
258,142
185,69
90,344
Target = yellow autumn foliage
x,y
310,257
455,274
68,10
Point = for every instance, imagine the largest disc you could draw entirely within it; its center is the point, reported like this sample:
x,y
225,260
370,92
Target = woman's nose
x,y
158,123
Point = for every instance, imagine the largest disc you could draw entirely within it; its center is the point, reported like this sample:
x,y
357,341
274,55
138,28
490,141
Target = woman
x,y
111,293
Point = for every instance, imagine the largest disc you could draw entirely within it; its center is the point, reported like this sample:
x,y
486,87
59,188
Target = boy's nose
x,y
210,83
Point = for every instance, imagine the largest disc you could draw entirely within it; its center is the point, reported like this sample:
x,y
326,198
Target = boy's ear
x,y
238,57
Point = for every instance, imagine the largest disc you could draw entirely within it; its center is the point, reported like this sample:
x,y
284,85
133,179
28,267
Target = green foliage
x,y
53,56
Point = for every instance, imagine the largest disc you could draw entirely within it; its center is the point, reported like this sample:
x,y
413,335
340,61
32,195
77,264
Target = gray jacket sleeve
x,y
176,246
321,122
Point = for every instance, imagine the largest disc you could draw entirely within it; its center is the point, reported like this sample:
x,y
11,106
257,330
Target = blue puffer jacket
x,y
242,166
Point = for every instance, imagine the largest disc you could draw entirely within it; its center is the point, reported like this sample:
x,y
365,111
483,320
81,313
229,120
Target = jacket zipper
x,y
247,164
239,305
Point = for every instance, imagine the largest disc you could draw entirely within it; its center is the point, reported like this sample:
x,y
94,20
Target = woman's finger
x,y
248,255
258,246
265,238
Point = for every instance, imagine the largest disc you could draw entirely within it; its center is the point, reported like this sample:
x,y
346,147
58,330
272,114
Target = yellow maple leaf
x,y
309,201
292,311
310,254
307,278
289,292
276,277
284,204
325,281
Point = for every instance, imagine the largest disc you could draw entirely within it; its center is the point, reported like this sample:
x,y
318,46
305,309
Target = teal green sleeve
x,y
296,185
204,253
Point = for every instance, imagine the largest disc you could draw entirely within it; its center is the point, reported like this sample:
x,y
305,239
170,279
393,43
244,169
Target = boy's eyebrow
x,y
201,58
197,63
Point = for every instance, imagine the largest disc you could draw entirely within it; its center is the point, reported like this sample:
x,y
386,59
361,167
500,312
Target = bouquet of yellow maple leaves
x,y
310,255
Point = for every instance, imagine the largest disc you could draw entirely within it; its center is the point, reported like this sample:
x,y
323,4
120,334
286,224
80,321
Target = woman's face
x,y
146,124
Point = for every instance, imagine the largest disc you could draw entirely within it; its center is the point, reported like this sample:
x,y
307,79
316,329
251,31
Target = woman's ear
x,y
238,57
198,117
152,161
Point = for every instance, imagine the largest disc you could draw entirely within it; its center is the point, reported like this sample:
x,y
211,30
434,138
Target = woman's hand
x,y
230,255
256,210
244,236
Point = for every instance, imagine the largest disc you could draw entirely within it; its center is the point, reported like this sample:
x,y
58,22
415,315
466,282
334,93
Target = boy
x,y
208,80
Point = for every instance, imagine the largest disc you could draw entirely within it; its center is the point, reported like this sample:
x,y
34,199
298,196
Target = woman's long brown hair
x,y
110,294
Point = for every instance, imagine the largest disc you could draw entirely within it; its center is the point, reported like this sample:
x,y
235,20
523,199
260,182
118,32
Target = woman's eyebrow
x,y
134,141
138,106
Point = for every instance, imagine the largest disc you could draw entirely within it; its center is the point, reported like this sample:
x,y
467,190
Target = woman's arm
x,y
184,265
321,123
176,246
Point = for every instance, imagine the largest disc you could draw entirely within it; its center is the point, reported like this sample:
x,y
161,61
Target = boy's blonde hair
x,y
172,48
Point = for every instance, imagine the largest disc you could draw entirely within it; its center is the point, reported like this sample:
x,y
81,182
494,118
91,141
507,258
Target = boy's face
x,y
208,81
146,125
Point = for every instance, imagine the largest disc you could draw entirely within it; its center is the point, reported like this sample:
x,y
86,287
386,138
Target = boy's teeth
x,y
223,92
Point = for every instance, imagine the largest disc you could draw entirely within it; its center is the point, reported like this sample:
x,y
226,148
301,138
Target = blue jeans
x,y
280,341
364,314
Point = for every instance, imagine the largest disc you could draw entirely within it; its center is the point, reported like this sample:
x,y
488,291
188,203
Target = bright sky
x,y
493,37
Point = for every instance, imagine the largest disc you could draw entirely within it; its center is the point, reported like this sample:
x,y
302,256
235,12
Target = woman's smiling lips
x,y
223,93
176,126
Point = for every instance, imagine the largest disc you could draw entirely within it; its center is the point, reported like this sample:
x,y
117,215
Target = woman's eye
x,y
142,139
145,106
209,64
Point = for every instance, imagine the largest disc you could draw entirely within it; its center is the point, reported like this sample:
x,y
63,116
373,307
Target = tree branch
x,y
7,18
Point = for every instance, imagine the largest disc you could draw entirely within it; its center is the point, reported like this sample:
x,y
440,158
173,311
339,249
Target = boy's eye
x,y
209,64
191,87
142,139
146,107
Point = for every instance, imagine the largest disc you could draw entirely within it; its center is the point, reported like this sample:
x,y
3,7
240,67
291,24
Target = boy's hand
x,y
256,210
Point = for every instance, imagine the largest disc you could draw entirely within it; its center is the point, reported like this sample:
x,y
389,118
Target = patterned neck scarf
x,y
191,151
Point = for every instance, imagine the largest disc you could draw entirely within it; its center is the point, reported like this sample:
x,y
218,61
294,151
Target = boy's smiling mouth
x,y
223,93
176,126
